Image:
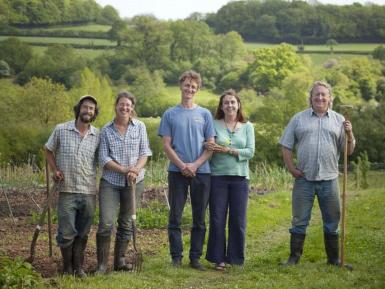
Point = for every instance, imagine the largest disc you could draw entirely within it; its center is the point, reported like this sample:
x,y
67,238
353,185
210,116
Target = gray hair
x,y
324,84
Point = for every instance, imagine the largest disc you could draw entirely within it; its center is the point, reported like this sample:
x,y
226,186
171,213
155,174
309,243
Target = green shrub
x,y
155,215
18,274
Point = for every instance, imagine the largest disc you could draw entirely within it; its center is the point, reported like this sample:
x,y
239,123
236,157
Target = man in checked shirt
x,y
318,134
71,152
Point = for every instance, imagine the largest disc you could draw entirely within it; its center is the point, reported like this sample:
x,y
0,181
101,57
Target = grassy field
x,y
359,47
89,53
320,59
64,40
87,27
268,244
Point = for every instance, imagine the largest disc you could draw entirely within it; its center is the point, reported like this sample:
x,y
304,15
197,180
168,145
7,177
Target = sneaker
x,y
195,264
177,262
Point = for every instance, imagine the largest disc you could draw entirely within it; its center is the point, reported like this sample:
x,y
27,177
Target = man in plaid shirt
x,y
71,152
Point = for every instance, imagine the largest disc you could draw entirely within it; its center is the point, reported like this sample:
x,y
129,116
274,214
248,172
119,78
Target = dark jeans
x,y
228,194
303,195
111,198
75,215
177,193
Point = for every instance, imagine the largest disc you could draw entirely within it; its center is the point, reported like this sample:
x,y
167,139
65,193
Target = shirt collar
x,y
313,113
71,126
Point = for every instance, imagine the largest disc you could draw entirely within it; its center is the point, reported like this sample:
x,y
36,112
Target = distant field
x,y
90,53
64,40
88,28
320,59
359,47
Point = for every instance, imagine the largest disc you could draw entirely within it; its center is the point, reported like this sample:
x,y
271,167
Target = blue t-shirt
x,y
188,129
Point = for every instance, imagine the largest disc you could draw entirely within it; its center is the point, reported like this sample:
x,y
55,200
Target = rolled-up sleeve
x,y
144,145
288,137
52,142
104,155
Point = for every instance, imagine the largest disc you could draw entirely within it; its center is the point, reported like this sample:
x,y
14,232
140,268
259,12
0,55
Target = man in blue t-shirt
x,y
184,129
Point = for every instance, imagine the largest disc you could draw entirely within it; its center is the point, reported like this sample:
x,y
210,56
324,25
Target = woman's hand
x,y
214,147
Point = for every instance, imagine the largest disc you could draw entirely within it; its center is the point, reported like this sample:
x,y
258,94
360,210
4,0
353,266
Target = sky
x,y
180,9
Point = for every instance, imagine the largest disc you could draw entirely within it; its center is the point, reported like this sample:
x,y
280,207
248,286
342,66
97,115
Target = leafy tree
x,y
379,53
117,31
4,69
331,43
109,15
59,62
46,102
149,90
16,53
271,66
147,42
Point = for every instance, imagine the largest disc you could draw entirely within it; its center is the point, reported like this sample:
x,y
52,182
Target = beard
x,y
86,118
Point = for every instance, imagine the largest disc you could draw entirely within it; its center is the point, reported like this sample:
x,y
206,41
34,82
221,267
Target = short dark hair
x,y
79,104
191,75
219,114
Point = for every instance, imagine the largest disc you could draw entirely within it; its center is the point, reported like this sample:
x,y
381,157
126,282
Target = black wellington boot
x,y
119,256
332,251
67,260
78,249
102,252
296,248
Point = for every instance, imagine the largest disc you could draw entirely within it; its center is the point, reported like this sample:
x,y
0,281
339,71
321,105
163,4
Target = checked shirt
x,y
124,150
76,157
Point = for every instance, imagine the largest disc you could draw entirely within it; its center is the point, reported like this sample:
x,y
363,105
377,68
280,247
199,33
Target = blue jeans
x,y
111,198
303,195
177,193
75,214
228,194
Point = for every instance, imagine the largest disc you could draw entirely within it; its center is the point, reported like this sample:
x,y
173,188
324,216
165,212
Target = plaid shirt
x,y
124,150
318,141
76,157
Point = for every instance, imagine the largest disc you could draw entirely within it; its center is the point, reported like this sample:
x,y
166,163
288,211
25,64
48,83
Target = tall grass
x,y
22,176
269,178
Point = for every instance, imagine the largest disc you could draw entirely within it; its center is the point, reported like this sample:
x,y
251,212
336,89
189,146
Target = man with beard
x,y
71,152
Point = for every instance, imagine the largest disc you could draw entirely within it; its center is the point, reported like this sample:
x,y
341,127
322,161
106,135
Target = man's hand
x,y
296,173
58,176
348,126
188,170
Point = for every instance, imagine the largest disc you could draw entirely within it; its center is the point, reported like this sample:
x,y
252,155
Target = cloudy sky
x,y
179,9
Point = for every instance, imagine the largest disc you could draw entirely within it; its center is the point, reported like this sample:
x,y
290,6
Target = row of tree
x,y
43,12
296,21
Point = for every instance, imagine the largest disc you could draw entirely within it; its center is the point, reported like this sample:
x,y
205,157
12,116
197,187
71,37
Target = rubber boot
x,y
102,252
332,249
119,256
296,248
67,260
78,249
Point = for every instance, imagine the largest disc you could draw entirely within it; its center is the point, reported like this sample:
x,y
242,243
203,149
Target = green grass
x,y
64,40
359,47
267,244
89,53
320,59
88,28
